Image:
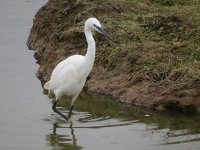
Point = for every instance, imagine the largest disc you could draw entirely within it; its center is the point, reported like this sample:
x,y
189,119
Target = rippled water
x,y
100,123
28,122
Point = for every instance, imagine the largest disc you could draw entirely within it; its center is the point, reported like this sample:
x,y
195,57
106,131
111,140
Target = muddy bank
x,y
154,62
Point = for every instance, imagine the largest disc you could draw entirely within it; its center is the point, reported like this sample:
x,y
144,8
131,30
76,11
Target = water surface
x,y
27,121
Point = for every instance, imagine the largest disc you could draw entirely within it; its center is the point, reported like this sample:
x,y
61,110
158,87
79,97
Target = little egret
x,y
69,76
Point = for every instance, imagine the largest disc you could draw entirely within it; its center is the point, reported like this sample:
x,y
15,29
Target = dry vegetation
x,y
154,62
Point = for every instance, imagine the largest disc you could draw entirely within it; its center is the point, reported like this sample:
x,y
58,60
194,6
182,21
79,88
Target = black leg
x,y
57,111
70,111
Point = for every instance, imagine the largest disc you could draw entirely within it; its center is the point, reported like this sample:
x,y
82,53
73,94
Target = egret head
x,y
94,24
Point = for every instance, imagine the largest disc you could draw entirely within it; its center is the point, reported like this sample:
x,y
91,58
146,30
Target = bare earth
x,y
154,62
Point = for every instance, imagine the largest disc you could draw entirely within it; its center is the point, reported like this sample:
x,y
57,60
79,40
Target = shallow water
x,y
27,121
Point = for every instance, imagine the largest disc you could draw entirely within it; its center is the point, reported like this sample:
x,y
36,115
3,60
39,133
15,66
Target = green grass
x,y
148,34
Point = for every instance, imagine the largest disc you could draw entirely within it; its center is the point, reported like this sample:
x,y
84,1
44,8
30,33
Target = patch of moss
x,y
154,40
176,2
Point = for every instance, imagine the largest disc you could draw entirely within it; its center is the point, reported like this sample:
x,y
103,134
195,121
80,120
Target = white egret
x,y
69,76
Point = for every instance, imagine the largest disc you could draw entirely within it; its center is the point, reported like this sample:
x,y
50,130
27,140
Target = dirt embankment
x,y
154,62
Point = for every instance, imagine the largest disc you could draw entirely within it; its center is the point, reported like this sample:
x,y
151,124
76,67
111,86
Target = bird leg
x,y
70,111
57,111
72,104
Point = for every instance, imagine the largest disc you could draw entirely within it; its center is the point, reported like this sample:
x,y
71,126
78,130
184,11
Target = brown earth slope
x,y
154,62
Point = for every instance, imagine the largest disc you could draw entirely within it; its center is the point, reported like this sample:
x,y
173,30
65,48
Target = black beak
x,y
101,30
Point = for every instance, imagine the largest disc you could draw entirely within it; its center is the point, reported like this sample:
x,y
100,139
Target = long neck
x,y
90,55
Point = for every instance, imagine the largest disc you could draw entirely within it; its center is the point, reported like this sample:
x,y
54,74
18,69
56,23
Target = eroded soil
x,y
154,61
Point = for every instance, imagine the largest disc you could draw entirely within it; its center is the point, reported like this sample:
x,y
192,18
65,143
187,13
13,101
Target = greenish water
x,y
27,121
107,124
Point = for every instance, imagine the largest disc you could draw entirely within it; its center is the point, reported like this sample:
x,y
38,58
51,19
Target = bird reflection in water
x,y
62,137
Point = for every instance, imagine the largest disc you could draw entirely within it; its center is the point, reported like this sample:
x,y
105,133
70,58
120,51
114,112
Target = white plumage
x,y
69,76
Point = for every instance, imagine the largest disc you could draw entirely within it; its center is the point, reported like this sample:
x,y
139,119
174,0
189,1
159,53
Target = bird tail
x,y
46,85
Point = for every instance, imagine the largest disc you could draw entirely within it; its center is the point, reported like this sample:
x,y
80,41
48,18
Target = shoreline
x,y
147,67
